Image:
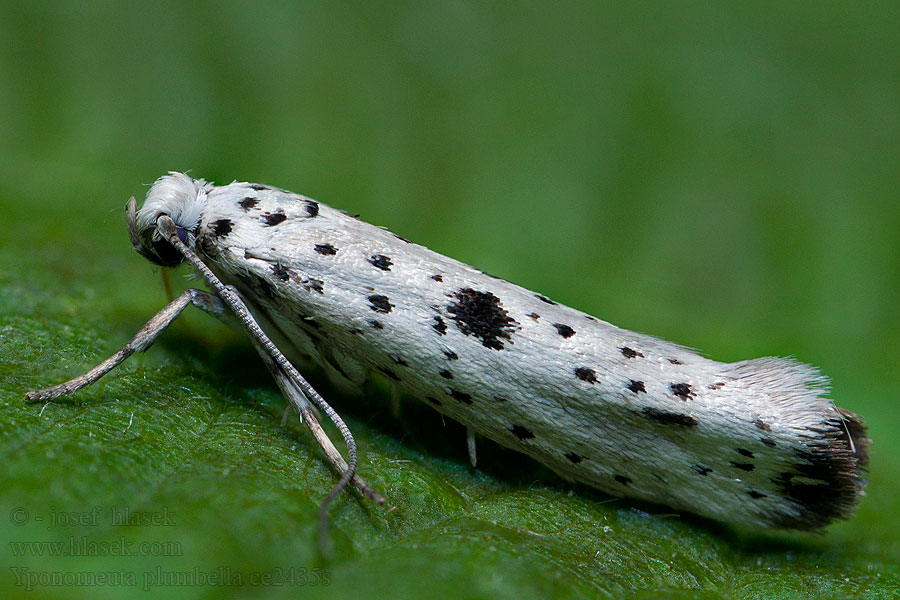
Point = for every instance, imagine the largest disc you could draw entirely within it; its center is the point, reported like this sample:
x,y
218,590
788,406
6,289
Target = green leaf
x,y
187,439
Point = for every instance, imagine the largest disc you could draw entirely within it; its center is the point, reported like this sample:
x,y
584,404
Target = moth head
x,y
178,197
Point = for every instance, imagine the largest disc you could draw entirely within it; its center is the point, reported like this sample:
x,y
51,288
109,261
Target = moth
x,y
753,443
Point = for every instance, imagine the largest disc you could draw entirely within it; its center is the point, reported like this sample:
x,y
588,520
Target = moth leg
x,y
470,443
285,416
166,227
298,400
301,403
141,341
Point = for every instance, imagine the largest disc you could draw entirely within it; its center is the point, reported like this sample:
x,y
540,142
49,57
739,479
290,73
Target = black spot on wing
x,y
545,299
248,203
767,441
744,452
380,261
446,374
573,458
636,386
755,495
440,326
451,355
682,390
461,396
399,360
629,353
669,418
564,330
274,218
280,272
762,425
326,249
521,432
534,316
438,278
675,361
313,285
376,324
586,374
222,227
701,469
312,208
622,479
743,466
480,314
380,303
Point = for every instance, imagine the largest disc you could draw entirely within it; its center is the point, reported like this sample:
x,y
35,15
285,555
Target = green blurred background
x,y
723,175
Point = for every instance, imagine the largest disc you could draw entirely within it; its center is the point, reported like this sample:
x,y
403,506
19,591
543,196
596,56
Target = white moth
x,y
752,443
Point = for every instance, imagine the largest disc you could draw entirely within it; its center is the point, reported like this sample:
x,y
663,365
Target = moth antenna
x,y
470,445
298,400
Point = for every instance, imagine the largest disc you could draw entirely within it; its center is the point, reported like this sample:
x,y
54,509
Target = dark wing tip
x,y
828,480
